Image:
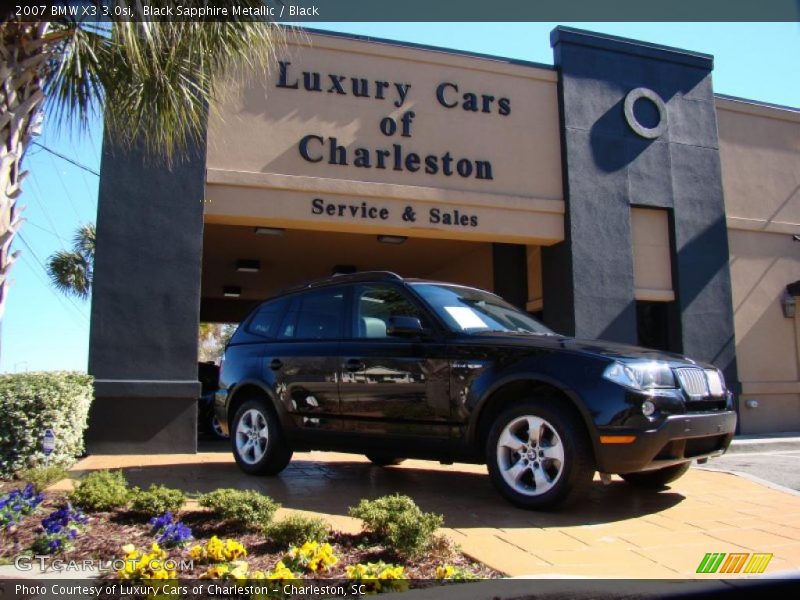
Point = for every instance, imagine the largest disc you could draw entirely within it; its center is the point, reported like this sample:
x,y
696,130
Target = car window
x,y
315,316
376,304
267,318
473,311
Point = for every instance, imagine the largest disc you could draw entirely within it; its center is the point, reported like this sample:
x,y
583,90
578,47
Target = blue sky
x,y
43,330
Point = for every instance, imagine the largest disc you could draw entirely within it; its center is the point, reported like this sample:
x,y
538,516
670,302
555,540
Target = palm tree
x,y
152,81
71,270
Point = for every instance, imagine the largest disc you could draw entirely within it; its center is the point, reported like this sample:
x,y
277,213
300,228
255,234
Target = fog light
x,y
648,408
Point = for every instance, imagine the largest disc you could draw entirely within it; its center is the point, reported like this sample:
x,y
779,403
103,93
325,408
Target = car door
x,y
306,358
391,384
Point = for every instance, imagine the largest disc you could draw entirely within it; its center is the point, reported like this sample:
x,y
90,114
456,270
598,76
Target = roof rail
x,y
343,278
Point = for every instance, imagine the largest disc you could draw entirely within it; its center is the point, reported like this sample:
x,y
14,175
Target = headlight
x,y
641,376
716,383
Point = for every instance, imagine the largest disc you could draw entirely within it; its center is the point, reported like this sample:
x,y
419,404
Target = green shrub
x,y
296,530
157,500
245,507
42,477
101,490
398,523
33,402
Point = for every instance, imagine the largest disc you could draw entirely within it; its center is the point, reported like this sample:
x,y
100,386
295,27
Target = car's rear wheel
x,y
259,446
215,428
382,460
539,455
657,479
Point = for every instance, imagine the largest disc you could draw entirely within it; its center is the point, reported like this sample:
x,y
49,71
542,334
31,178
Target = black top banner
x,y
315,11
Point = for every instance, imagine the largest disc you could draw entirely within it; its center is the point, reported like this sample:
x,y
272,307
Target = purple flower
x,y
18,503
59,528
159,523
170,532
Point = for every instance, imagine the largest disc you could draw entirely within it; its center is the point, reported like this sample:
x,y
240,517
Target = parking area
x,y
781,467
617,531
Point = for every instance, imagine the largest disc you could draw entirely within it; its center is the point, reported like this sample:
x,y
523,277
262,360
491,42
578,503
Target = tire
x,y
653,480
558,467
258,443
214,428
381,460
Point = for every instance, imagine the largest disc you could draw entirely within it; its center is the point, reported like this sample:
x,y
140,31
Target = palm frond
x,y
70,273
154,80
85,241
73,85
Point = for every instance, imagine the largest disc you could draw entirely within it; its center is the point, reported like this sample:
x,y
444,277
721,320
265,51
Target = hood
x,y
601,348
616,351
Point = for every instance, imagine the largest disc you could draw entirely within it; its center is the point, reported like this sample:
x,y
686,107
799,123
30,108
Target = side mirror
x,y
404,327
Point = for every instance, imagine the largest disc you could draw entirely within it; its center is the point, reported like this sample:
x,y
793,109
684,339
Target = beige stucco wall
x,y
256,173
652,265
760,152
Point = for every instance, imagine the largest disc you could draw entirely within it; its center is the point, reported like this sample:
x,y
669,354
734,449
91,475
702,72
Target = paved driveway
x,y
616,532
781,467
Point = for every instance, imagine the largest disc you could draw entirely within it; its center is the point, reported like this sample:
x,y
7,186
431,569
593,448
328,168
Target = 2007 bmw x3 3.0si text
x,y
401,368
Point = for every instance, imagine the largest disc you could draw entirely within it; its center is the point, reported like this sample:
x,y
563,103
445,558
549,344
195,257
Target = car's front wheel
x,y
657,479
538,455
258,443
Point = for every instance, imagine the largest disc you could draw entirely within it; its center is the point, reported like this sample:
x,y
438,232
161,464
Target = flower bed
x,y
223,549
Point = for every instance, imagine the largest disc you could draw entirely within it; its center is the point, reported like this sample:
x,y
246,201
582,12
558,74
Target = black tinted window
x,y
315,316
266,320
376,304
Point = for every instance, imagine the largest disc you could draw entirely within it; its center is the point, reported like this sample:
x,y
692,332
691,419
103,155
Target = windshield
x,y
468,310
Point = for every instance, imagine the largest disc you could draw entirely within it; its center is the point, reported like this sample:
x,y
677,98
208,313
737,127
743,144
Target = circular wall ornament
x,y
650,133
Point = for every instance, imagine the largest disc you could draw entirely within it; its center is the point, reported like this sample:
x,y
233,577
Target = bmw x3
x,y
396,368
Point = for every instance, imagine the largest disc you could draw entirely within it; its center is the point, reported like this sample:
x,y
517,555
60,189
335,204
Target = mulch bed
x,y
107,532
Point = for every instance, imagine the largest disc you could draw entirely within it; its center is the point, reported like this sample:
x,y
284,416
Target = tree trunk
x,y
23,60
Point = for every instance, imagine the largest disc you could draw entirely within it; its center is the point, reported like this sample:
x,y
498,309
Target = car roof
x,y
368,276
359,277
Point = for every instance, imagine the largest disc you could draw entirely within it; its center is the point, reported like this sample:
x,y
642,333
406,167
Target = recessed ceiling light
x,y
392,239
231,291
248,265
269,230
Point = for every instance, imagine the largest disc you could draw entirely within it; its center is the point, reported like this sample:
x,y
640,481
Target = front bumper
x,y
678,439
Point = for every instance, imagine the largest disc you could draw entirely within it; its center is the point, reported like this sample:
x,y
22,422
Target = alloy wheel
x,y
252,436
530,455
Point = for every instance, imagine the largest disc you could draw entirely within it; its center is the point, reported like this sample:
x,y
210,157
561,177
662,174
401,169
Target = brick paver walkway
x,y
617,531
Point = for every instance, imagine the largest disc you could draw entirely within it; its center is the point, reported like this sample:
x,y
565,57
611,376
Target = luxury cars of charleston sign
x,y
315,148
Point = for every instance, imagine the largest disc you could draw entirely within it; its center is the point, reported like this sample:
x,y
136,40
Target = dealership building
x,y
613,195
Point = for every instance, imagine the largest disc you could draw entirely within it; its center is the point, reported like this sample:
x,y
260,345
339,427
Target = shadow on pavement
x,y
462,493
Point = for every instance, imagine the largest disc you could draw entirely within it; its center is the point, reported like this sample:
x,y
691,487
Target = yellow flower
x,y
445,572
239,570
129,549
280,572
234,550
215,572
196,553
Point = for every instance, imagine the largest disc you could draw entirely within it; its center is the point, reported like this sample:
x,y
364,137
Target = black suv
x,y
394,368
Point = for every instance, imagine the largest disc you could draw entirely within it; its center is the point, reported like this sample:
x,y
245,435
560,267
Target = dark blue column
x,y
146,303
612,162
